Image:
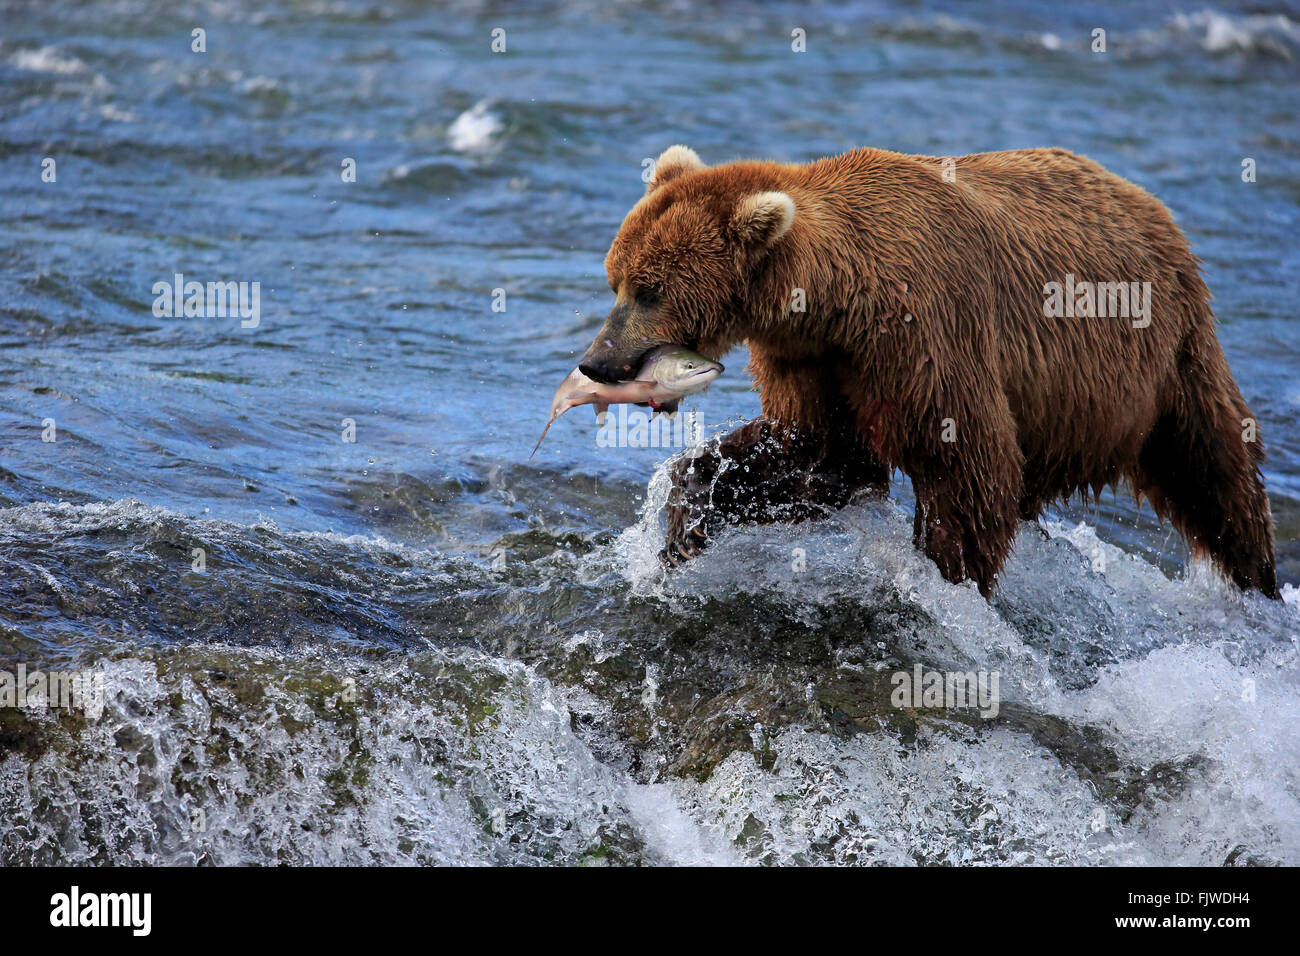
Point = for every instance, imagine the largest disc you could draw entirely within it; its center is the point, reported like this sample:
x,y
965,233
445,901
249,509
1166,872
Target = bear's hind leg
x,y
1200,468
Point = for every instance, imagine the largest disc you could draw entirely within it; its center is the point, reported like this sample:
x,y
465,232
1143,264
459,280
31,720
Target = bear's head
x,y
683,260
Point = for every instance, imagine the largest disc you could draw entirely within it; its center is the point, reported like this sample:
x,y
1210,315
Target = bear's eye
x,y
647,297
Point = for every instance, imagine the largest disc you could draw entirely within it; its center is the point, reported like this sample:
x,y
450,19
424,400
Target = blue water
x,y
479,171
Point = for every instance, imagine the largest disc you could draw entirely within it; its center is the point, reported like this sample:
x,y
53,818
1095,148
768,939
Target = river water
x,y
419,646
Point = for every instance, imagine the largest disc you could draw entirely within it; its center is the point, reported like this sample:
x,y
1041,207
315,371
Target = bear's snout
x,y
605,365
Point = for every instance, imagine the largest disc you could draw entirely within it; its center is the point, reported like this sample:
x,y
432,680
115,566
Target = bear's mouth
x,y
608,374
610,368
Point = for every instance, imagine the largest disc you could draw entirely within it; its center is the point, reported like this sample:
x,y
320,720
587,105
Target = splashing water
x,y
737,710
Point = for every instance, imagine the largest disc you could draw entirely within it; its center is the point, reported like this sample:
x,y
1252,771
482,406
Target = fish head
x,y
676,368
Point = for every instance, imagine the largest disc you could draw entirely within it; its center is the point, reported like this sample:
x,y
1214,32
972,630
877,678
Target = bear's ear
x,y
763,218
675,161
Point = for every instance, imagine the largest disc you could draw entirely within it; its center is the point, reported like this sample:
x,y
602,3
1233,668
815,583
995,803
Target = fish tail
x,y
539,441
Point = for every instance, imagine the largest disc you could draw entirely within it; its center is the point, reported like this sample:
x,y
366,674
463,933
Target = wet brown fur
x,y
924,302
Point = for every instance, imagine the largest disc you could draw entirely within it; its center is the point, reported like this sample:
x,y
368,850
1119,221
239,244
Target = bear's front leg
x,y
968,494
756,475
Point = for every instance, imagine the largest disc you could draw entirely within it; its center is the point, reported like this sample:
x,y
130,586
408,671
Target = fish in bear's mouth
x,y
608,363
666,375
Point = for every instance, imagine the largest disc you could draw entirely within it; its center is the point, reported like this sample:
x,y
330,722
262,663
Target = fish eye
x,y
690,365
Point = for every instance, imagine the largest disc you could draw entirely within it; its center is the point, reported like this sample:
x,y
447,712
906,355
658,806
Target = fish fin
x,y
669,408
602,409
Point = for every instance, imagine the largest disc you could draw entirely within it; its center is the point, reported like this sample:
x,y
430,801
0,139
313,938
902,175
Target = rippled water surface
x,y
421,646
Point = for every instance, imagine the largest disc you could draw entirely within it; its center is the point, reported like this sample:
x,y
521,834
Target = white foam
x,y
1220,32
475,129
1179,660
47,59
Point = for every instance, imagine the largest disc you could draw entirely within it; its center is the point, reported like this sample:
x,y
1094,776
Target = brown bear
x,y
1007,329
